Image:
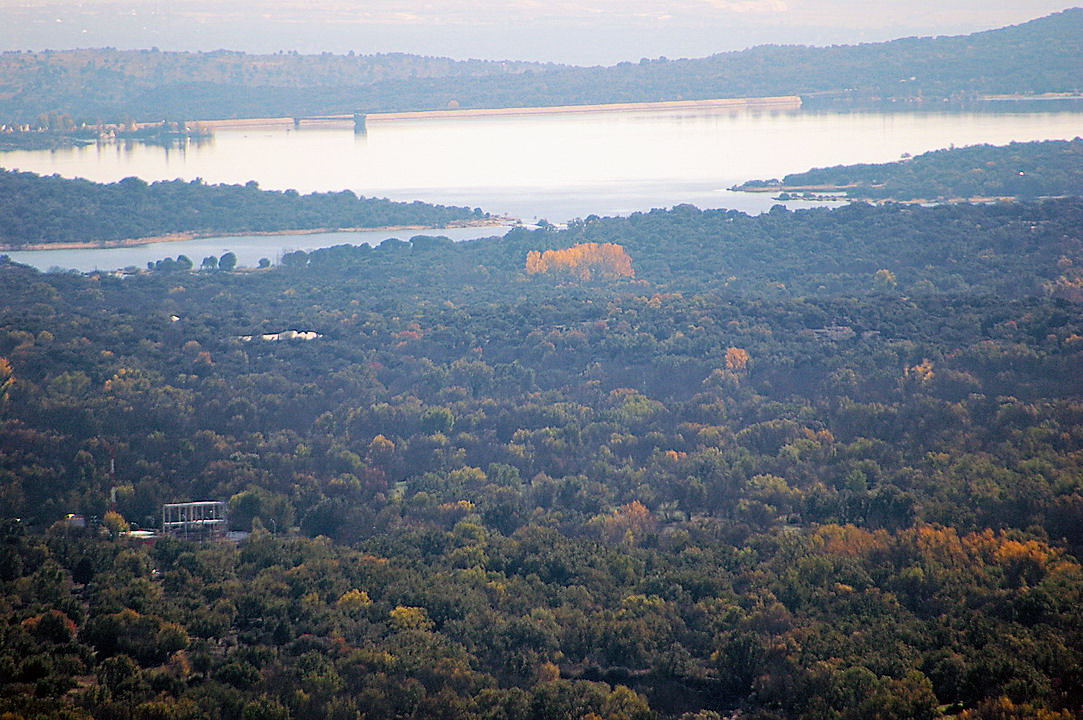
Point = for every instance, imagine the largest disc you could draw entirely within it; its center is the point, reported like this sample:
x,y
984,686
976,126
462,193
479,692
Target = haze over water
x,y
556,167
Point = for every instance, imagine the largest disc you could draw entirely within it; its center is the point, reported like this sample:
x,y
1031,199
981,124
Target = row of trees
x,y
183,263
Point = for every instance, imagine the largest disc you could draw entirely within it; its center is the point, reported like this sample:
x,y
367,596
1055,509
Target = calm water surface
x,y
556,167
249,249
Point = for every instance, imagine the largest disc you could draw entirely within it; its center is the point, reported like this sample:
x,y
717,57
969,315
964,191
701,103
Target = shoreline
x,y
793,188
976,200
781,102
844,197
184,236
1016,97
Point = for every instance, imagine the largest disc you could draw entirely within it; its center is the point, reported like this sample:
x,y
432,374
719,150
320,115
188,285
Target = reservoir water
x,y
249,249
556,167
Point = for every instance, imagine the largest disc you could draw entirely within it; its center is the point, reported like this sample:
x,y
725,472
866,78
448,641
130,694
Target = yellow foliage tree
x,y
582,261
115,523
547,672
7,378
380,451
354,600
405,617
850,540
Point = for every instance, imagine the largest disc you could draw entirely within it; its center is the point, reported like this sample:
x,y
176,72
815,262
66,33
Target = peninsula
x,y
54,212
981,173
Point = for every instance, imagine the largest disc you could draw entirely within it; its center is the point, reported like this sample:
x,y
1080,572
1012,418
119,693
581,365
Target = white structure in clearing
x,y
284,335
206,520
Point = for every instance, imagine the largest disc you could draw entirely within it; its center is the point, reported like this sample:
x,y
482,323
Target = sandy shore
x,y
1035,96
785,102
793,188
977,200
242,123
843,197
181,237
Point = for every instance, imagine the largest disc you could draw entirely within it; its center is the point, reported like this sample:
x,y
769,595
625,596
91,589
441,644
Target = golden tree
x,y
583,261
737,359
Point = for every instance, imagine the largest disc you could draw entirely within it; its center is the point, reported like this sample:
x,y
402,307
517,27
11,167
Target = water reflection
x,y
249,249
555,166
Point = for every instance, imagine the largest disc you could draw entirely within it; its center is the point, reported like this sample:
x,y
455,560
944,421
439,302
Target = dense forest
x,y
1043,55
50,209
821,465
1053,168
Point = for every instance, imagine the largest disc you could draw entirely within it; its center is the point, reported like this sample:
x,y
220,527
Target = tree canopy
x,y
760,475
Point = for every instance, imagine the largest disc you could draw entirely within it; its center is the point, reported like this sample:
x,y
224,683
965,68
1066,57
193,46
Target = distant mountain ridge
x,y
1041,56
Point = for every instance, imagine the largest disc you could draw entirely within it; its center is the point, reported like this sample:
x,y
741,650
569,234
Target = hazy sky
x,y
576,31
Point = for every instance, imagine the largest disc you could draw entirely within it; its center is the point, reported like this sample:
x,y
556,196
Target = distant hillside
x,y
114,85
1044,55
40,210
1021,170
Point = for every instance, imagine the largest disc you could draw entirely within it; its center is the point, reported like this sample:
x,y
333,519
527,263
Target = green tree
x,y
437,420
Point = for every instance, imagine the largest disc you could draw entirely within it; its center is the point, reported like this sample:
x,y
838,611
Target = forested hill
x,y
1043,55
115,85
1051,168
51,209
822,465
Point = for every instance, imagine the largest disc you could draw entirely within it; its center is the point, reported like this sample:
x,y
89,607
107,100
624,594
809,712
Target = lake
x,y
249,249
556,167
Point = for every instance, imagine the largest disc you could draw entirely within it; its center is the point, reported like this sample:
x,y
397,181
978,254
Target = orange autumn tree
x,y
628,524
737,359
582,261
